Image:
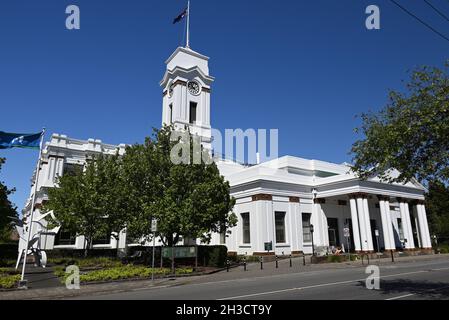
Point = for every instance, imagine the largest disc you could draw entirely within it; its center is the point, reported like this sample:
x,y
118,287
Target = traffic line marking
x,y
400,297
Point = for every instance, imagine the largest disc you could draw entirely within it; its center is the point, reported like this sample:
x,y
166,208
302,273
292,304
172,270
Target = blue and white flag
x,y
20,140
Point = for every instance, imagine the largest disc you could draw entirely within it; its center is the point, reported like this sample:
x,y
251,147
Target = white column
x,y
319,222
390,224
411,242
355,224
369,235
362,224
383,219
425,233
295,226
387,228
406,227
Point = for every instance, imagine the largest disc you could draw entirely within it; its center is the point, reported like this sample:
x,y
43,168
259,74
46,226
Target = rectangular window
x,y
246,227
71,169
401,230
64,237
170,113
223,237
306,234
279,221
192,115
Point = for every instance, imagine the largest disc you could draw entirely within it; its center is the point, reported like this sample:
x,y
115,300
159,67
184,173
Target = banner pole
x,y
30,224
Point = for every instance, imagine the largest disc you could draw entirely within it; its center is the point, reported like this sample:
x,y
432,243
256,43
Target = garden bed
x,y
9,278
104,269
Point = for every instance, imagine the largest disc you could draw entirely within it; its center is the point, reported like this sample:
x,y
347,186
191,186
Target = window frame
x,y
246,228
307,234
283,229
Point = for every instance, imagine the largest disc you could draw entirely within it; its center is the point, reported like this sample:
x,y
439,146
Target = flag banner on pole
x,y
180,17
20,140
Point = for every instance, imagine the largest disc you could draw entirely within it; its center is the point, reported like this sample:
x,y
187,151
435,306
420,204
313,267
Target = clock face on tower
x,y
194,87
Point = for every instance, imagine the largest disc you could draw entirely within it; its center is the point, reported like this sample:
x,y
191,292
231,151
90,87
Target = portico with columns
x,y
279,200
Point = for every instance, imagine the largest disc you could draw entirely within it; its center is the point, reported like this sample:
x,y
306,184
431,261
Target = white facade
x,y
276,201
295,189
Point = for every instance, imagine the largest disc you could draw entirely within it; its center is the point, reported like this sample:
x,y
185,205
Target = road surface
x,y
420,279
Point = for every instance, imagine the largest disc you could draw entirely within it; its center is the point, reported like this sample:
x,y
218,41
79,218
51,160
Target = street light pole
x,y
313,247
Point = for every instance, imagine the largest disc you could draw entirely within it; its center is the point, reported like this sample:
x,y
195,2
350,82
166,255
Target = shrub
x,y
79,253
9,271
117,273
212,256
443,248
335,258
9,250
9,281
101,262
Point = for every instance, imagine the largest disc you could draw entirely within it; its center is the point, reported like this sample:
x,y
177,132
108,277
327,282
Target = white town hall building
x,y
276,201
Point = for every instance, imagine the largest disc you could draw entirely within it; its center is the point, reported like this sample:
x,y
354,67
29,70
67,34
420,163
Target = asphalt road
x,y
409,280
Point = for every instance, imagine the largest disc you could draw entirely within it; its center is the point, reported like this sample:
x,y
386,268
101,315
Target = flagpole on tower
x,y
188,25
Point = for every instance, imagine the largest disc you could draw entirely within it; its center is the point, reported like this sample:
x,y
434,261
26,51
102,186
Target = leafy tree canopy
x,y
91,201
411,134
113,192
7,209
189,200
438,209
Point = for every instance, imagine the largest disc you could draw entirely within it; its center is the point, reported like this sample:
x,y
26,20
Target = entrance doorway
x,y
334,239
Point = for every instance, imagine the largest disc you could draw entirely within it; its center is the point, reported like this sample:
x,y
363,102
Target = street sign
x,y
346,232
268,246
153,225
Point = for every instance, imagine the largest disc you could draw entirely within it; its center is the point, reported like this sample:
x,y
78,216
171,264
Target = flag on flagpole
x,y
181,16
20,140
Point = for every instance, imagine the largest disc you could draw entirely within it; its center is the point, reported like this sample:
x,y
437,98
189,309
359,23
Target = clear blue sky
x,y
304,67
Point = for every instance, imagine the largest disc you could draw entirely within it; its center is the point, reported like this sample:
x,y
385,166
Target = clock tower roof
x,y
186,58
185,63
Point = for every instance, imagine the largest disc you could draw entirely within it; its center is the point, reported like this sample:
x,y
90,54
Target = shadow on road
x,y
428,289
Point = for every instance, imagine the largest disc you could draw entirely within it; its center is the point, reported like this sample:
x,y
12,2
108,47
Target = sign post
x,y
153,230
268,246
347,235
376,232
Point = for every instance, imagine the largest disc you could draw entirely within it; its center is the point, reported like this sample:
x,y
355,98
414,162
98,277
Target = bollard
x,y
227,265
362,259
261,263
244,264
392,256
290,261
277,265
367,255
303,259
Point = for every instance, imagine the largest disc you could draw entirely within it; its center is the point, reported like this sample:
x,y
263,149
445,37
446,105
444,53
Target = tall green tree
x,y
411,134
91,201
189,200
7,209
438,209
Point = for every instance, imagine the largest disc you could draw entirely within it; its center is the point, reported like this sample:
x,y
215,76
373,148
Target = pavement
x,y
418,277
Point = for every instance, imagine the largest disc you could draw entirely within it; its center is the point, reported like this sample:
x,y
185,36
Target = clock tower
x,y
186,93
